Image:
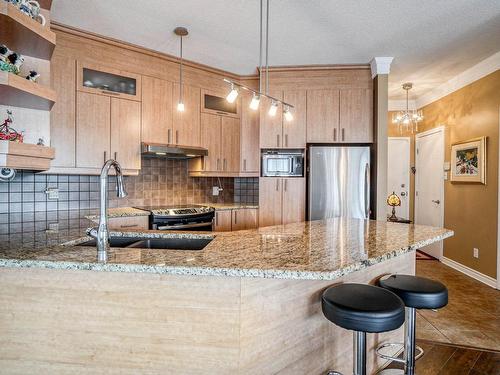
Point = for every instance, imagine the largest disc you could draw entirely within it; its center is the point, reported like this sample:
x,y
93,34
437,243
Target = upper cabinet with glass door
x,y
216,104
102,80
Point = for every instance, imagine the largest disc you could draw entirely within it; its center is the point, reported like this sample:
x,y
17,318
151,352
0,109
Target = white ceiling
x,y
431,41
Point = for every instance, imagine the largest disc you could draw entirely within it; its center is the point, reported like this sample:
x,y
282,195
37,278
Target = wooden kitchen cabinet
x,y
223,221
281,200
294,132
270,197
249,141
244,218
221,136
126,133
323,113
157,123
356,116
276,131
93,130
215,103
271,128
230,150
107,128
186,125
98,79
129,222
294,199
211,140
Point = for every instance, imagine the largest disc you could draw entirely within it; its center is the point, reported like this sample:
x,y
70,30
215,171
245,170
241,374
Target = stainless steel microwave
x,y
282,163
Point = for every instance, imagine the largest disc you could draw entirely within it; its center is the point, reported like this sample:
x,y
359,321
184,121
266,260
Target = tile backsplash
x,y
24,205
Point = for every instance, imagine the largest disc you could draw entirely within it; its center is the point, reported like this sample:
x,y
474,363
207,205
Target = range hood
x,y
160,150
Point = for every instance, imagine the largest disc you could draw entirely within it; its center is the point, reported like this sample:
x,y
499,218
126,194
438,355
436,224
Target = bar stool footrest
x,y
401,346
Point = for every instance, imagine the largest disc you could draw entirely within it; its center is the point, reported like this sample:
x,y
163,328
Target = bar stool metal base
x,y
380,353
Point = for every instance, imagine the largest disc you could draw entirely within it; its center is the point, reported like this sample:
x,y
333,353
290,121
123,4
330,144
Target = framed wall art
x,y
468,161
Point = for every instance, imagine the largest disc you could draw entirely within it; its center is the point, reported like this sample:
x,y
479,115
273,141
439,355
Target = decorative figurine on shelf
x,y
31,8
41,142
16,60
393,200
33,76
4,52
8,133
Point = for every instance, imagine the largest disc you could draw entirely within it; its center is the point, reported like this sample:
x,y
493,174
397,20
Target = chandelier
x,y
407,119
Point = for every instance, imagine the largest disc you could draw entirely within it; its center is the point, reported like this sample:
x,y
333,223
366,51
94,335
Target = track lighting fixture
x,y
273,109
287,113
233,94
254,104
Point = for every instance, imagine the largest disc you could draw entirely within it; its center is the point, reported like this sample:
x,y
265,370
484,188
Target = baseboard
x,y
485,279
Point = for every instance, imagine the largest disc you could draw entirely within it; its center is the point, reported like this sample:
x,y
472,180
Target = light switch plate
x,y
215,191
52,193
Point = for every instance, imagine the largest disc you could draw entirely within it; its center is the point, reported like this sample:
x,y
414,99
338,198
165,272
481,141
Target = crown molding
x,y
478,71
380,65
400,105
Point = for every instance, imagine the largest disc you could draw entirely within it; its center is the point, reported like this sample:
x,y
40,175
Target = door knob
x,y
403,193
437,202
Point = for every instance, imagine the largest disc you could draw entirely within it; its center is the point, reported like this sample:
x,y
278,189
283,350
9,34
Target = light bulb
x,y
288,115
180,107
273,108
233,94
254,104
406,121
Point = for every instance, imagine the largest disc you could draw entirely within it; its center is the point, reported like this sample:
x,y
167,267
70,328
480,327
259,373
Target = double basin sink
x,y
181,243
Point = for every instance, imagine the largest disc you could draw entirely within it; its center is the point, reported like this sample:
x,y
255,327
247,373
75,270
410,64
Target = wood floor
x,y
472,317
447,359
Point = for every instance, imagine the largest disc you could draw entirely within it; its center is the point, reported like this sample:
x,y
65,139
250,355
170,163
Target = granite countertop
x,y
230,206
120,212
316,250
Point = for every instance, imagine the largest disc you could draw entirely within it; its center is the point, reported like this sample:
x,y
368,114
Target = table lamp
x,y
393,200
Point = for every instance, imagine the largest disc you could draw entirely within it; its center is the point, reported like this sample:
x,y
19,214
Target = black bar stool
x,y
416,293
362,308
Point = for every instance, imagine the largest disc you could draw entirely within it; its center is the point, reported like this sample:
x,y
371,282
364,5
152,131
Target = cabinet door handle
x,y
225,164
216,218
235,217
105,154
343,135
285,184
286,140
277,184
334,134
129,225
116,155
176,137
245,164
277,140
169,135
110,92
218,162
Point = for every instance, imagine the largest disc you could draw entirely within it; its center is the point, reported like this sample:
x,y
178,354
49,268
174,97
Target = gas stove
x,y
180,217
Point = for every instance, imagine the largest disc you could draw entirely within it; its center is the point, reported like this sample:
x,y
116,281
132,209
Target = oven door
x,y
277,165
187,227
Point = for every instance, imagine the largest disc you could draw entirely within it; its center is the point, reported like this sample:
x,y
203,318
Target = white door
x,y
398,174
429,183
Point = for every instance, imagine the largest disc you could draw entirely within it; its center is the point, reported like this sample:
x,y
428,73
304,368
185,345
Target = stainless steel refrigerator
x,y
339,182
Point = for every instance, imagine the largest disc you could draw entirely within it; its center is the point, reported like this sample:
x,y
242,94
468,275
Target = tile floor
x,y
472,317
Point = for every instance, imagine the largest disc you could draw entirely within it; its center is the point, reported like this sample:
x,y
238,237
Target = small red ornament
x,y
8,133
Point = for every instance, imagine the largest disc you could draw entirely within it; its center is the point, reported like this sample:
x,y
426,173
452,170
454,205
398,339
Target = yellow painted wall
x,y
470,209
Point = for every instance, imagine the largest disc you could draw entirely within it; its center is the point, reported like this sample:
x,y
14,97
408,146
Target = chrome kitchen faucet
x,y
101,234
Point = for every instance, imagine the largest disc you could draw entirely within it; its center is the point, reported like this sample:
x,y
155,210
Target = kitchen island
x,y
249,302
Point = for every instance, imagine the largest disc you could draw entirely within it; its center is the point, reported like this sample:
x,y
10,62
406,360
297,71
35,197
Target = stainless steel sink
x,y
155,243
113,242
172,243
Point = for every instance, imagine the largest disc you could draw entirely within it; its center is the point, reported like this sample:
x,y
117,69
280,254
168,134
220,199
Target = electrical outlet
x,y
53,228
215,191
52,193
476,252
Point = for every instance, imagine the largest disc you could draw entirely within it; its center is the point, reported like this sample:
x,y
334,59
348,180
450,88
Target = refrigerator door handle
x,y
367,190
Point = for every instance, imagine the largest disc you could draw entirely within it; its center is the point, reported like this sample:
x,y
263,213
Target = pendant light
x,y
233,94
180,32
408,118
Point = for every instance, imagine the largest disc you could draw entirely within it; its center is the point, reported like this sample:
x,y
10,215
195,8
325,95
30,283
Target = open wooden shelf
x,y
20,92
23,34
25,156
